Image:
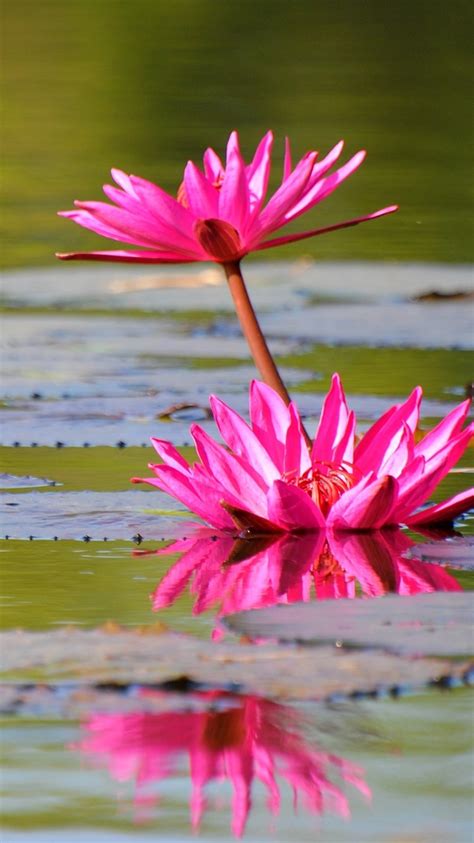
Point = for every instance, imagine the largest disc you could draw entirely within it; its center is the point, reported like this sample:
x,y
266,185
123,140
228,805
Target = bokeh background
x,y
147,84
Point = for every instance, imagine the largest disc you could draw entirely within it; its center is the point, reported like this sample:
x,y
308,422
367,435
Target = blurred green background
x,y
147,84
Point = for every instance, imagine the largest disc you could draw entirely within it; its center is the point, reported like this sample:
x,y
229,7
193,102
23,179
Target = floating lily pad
x,y
10,481
73,515
424,624
154,656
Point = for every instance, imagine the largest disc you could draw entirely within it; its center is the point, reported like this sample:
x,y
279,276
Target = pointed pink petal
x,y
445,512
213,166
287,165
400,456
365,509
202,197
296,457
240,486
333,423
304,235
123,180
270,419
198,494
233,195
140,228
383,438
416,492
290,508
273,214
164,207
169,454
124,256
321,167
242,440
444,431
258,173
323,188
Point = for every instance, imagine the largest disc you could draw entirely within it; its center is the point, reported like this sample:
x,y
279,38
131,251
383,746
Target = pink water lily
x,y
266,479
220,213
242,740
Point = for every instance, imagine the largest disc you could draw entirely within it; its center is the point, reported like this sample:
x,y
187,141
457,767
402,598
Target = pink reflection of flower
x,y
239,575
219,213
249,738
267,479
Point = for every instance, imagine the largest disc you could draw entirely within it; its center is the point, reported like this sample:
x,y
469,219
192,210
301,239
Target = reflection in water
x,y
239,739
238,574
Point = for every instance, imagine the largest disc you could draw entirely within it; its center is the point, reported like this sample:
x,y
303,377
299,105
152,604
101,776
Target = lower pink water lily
x,y
266,479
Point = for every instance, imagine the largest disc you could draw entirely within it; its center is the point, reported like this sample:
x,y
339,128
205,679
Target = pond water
x,y
172,720
94,369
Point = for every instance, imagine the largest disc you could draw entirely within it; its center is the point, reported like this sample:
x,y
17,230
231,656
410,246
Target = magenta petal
x,y
124,256
290,508
258,173
315,232
383,438
242,440
202,197
325,187
233,196
240,486
332,423
445,512
444,431
366,508
272,216
198,494
169,454
270,419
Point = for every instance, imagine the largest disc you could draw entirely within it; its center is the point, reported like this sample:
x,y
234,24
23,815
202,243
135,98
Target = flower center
x,y
325,482
219,239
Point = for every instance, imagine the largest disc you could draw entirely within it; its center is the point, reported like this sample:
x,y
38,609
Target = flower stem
x,y
254,336
253,332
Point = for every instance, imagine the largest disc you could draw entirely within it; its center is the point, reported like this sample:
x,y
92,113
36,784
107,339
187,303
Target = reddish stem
x,y
253,334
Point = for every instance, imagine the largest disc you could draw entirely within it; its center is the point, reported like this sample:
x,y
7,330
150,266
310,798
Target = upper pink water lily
x,y
267,479
219,213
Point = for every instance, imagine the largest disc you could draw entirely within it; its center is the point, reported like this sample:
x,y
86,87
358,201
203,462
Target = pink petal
x,y
123,180
270,419
287,165
169,454
365,508
142,229
401,455
445,512
258,173
242,440
415,493
304,235
198,494
202,197
292,509
213,166
240,486
333,424
325,187
297,459
164,208
383,438
123,256
273,214
233,195
444,431
321,167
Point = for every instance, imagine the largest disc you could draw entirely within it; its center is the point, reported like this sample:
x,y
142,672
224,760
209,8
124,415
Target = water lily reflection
x,y
240,739
238,574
